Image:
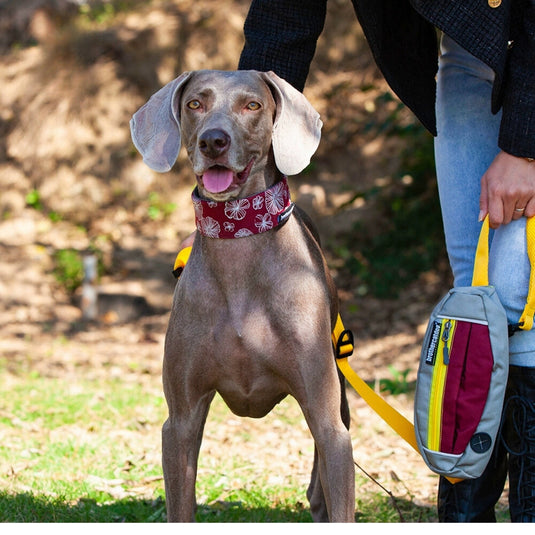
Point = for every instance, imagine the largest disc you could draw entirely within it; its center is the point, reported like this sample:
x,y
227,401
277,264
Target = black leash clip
x,y
513,328
344,344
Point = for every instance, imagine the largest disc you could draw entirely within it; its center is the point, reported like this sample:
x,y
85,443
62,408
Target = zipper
x,y
445,339
438,383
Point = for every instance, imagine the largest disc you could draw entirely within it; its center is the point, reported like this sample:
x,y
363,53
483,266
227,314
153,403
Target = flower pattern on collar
x,y
243,217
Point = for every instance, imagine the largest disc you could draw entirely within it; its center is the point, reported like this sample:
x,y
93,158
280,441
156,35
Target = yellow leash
x,y
481,268
391,416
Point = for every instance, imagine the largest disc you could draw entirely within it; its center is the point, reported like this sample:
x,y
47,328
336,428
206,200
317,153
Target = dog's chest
x,y
248,313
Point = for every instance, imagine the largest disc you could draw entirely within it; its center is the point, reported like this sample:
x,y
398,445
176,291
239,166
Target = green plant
x,y
104,11
397,385
69,265
100,12
33,200
159,209
69,269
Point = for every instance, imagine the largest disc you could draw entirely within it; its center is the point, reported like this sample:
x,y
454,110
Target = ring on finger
x,y
519,210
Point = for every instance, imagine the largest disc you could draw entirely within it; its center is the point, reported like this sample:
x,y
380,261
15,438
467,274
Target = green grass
x,y
80,450
68,446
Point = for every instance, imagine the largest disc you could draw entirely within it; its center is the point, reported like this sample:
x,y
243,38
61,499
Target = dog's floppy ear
x,y
297,127
155,127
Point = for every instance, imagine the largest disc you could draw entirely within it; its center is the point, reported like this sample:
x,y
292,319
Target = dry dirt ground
x,y
69,88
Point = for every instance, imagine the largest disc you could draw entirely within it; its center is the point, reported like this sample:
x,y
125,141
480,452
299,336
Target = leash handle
x,y
481,261
481,268
526,320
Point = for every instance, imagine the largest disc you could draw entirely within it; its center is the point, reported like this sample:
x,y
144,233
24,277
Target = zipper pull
x,y
445,338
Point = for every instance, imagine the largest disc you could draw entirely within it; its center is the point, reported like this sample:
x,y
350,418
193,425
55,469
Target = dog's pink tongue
x,y
217,179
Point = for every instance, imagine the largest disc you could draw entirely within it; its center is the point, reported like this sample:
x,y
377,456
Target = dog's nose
x,y
214,142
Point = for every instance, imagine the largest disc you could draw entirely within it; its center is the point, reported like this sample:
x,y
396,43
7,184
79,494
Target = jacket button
x,y
495,3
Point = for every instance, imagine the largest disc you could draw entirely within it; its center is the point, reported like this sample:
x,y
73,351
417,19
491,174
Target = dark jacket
x,y
281,35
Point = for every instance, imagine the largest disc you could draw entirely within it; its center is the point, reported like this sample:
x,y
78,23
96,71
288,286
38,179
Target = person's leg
x,y
509,271
520,443
465,146
473,500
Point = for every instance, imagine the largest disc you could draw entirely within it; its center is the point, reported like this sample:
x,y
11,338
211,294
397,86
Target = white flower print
x,y
258,202
242,233
210,227
275,198
263,222
228,226
237,209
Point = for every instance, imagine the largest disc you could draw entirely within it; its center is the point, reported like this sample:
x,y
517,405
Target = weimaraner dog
x,y
254,308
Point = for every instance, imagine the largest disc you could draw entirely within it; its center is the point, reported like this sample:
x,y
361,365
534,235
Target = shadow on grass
x,y
27,507
30,508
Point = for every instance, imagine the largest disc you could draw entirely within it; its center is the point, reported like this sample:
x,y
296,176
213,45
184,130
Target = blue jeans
x,y
464,148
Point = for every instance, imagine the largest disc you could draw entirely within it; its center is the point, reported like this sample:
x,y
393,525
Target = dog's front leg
x,y
337,475
315,494
334,471
181,441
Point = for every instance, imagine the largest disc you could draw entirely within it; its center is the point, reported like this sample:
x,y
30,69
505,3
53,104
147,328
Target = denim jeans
x,y
465,146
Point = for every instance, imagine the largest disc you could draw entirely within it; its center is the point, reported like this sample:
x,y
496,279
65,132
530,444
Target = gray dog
x,y
255,305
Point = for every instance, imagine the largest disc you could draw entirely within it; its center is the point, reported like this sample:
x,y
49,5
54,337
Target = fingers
x,y
530,208
483,198
507,190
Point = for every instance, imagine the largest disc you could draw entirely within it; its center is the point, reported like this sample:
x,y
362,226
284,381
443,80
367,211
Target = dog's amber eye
x,y
253,106
193,104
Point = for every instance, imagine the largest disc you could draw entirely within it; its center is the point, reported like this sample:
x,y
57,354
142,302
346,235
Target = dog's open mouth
x,y
217,179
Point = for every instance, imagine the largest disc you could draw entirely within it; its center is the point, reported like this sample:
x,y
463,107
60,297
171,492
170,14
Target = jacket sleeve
x,y
517,131
281,36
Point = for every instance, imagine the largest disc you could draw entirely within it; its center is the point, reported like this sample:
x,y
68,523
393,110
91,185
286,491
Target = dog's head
x,y
231,123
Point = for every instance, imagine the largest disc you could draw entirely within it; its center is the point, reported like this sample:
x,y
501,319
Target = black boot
x,y
519,441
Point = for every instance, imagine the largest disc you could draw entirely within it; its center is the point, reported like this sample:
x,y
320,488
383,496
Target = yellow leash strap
x,y
481,268
181,261
481,261
526,320
391,416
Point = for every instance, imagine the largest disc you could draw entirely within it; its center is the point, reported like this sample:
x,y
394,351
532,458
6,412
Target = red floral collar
x,y
243,217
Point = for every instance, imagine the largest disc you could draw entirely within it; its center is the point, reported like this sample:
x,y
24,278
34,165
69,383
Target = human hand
x,y
507,190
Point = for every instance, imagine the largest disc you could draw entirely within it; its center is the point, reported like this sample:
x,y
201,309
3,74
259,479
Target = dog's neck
x,y
248,216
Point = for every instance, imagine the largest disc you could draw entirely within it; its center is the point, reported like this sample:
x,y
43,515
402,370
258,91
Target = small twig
x,y
392,497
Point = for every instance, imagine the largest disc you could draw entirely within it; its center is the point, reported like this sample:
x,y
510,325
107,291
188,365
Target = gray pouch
x,y
463,370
